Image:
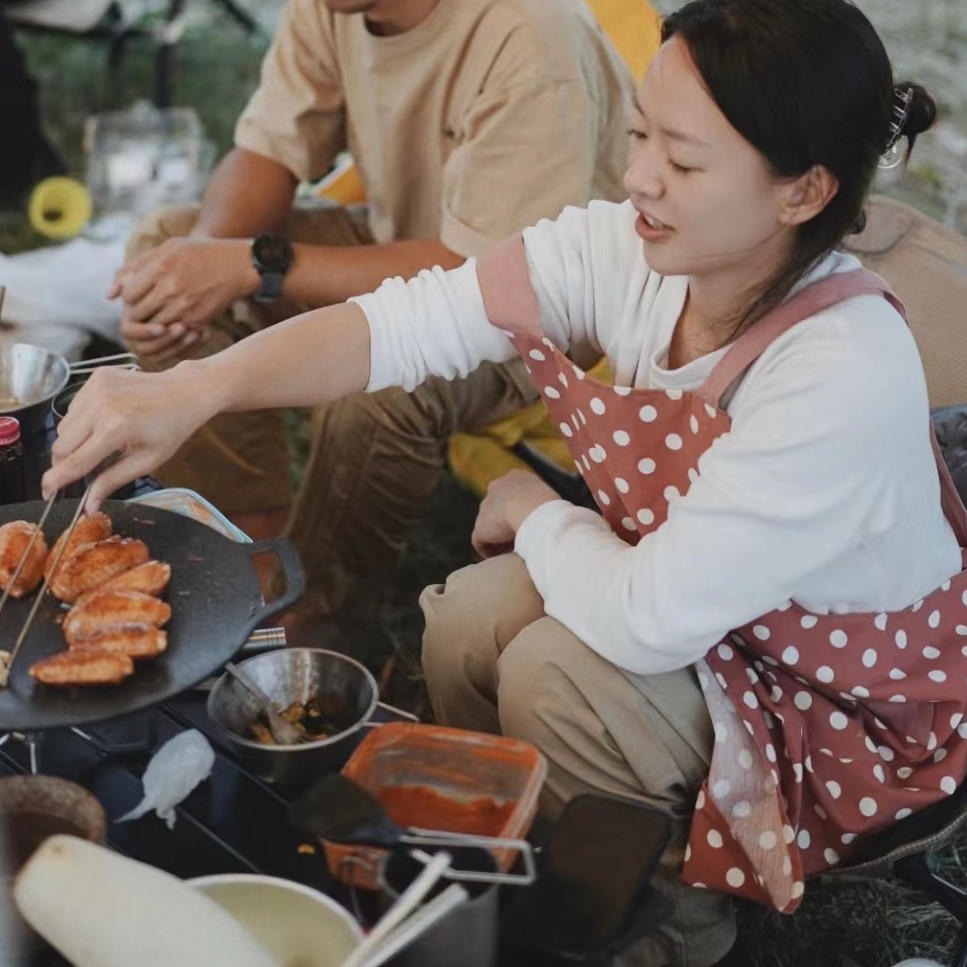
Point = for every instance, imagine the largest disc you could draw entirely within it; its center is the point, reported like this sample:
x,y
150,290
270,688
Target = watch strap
x,y
270,286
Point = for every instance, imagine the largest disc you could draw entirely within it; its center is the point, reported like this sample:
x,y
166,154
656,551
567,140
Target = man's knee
x,y
158,226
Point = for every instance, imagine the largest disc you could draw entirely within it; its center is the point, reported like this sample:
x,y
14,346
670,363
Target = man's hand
x,y
509,501
141,417
172,292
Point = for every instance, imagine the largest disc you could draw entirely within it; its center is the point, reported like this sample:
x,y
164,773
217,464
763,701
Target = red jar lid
x,y
9,430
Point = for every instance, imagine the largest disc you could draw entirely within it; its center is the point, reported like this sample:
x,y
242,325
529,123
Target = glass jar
x,y
13,480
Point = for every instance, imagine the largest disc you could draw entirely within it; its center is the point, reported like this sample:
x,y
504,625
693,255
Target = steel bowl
x,y
30,377
342,687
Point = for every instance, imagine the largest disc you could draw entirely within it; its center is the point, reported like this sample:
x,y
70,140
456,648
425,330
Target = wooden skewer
x,y
7,666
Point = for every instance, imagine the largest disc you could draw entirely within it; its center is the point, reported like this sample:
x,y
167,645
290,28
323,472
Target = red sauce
x,y
425,807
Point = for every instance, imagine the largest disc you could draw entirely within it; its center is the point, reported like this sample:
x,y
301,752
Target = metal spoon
x,y
283,731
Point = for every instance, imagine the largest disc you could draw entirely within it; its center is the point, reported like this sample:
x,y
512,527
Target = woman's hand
x,y
140,417
509,501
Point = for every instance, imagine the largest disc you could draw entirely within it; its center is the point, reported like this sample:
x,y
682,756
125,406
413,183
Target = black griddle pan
x,y
215,599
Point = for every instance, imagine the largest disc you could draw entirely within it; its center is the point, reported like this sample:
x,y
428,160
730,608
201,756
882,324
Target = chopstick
x,y
416,925
408,900
7,666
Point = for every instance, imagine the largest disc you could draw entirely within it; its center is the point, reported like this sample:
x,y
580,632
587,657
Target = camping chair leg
x,y
242,17
914,869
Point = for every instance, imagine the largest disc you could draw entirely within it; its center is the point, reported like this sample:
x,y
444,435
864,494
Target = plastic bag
x,y
173,772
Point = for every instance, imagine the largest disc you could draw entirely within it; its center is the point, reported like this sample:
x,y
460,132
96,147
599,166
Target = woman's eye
x,y
681,169
635,133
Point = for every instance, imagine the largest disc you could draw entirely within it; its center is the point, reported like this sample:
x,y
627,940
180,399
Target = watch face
x,y
272,253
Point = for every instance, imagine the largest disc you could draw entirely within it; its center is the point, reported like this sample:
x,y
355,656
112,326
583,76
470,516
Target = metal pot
x,y
343,688
30,377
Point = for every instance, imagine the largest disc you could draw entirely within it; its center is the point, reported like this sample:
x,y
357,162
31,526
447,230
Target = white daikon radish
x,y
100,909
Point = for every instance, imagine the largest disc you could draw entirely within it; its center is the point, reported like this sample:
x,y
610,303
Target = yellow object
x,y
634,27
59,207
343,184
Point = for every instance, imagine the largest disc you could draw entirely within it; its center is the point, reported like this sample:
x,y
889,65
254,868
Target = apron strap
x,y
808,302
505,285
811,300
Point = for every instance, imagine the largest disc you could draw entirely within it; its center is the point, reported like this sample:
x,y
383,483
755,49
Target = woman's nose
x,y
641,177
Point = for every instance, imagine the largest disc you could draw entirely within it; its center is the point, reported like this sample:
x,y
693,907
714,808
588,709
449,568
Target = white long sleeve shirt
x,y
824,491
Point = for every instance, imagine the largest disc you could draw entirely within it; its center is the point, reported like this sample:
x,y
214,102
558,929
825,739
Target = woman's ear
x,y
806,196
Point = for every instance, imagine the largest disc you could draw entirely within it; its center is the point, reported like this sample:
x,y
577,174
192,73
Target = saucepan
x,y
343,691
30,378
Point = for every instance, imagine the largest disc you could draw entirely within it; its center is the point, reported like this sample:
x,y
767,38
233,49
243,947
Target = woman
x,y
761,633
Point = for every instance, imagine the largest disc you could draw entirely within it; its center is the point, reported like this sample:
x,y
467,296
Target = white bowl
x,y
297,925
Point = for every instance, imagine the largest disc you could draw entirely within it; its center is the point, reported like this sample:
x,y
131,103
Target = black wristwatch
x,y
271,255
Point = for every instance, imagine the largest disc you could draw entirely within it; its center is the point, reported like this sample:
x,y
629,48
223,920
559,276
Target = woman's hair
x,y
805,82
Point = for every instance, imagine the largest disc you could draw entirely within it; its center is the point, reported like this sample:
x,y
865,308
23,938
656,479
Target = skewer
x,y
26,554
6,666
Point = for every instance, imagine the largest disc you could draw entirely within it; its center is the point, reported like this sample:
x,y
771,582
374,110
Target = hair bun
x,y
922,112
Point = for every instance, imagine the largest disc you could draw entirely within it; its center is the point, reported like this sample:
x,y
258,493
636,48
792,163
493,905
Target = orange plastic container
x,y
445,779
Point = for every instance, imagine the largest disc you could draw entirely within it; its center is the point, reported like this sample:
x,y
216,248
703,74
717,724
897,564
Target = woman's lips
x,y
650,229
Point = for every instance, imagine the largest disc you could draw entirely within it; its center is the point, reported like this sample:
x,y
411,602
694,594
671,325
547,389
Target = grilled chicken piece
x,y
134,641
91,565
88,530
14,538
149,578
83,667
109,611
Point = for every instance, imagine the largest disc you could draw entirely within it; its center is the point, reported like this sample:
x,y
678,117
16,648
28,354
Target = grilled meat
x,y
83,667
90,565
88,530
14,538
130,640
149,578
109,611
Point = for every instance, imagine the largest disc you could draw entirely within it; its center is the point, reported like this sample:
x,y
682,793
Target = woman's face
x,y
705,197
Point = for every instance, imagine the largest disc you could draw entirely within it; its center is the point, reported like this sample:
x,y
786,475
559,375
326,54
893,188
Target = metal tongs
x,y
7,659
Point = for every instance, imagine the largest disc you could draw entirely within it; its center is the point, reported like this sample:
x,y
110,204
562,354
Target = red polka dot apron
x,y
828,727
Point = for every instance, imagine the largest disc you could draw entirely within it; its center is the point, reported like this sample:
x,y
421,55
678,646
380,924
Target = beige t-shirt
x,y
484,118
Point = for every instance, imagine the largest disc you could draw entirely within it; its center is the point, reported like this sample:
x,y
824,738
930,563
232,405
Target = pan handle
x,y
295,577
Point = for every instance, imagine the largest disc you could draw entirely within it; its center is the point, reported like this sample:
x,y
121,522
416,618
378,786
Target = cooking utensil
x,y
365,954
340,810
216,604
30,377
343,688
418,924
283,731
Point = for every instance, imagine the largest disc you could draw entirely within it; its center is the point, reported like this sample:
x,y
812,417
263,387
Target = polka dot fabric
x,y
827,727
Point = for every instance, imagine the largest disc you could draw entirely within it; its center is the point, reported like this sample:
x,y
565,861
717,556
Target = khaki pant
x,y
375,458
494,662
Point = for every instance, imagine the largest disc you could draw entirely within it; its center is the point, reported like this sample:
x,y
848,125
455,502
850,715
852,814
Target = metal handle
x,y
119,360
295,577
414,836
264,639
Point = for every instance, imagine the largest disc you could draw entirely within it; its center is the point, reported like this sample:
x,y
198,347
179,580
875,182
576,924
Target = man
x,y
468,120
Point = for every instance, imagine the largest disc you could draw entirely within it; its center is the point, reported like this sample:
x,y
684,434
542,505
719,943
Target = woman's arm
x,y
144,417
